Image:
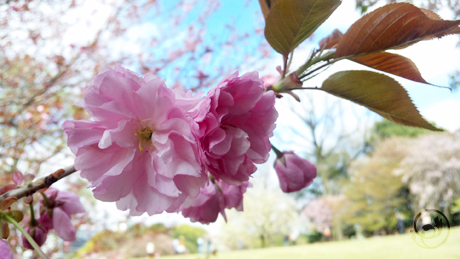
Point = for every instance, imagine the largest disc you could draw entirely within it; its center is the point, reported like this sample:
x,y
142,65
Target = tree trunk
x,y
337,232
262,240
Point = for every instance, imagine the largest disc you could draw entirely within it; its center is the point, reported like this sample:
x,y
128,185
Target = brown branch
x,y
41,183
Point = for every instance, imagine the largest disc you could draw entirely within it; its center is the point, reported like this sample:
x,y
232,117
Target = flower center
x,y
144,136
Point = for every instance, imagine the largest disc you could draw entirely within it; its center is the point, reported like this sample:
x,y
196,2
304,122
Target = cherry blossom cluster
x,y
151,149
56,208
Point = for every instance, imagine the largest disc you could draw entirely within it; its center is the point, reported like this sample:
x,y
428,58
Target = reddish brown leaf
x,y
6,203
434,16
5,229
330,41
392,63
379,93
430,14
391,26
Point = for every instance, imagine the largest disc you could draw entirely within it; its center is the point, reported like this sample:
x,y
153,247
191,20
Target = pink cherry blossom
x,y
233,194
206,206
214,199
5,251
141,148
56,210
236,130
294,172
38,233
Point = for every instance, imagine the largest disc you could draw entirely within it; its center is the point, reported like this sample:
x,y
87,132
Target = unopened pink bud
x,y
294,172
38,234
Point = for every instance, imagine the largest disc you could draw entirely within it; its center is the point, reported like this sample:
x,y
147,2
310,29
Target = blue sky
x,y
436,59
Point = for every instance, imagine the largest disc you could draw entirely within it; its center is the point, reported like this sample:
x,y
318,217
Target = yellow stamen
x,y
144,136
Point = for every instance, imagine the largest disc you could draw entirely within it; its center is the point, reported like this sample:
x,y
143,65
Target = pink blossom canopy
x,y
236,130
141,149
294,172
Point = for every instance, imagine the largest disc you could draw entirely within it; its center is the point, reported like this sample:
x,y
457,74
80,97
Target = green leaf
x,y
379,93
16,215
290,22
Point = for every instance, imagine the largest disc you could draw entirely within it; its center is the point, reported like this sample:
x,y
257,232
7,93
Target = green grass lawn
x,y
387,247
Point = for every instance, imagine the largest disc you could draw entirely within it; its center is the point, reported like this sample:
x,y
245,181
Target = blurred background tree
x,y
331,141
431,169
374,191
269,216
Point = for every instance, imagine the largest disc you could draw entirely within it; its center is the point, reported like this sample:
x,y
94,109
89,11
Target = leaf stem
x,y
32,215
27,236
285,62
316,69
307,88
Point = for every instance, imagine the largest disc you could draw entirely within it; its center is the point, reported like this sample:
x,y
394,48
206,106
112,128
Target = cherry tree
x,y
431,170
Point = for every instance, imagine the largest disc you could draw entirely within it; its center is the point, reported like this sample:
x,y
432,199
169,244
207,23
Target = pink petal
x,y
63,226
82,133
5,251
149,199
72,204
18,178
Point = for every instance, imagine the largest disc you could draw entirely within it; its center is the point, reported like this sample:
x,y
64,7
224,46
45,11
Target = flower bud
x,y
287,84
294,172
290,82
56,210
38,233
28,199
